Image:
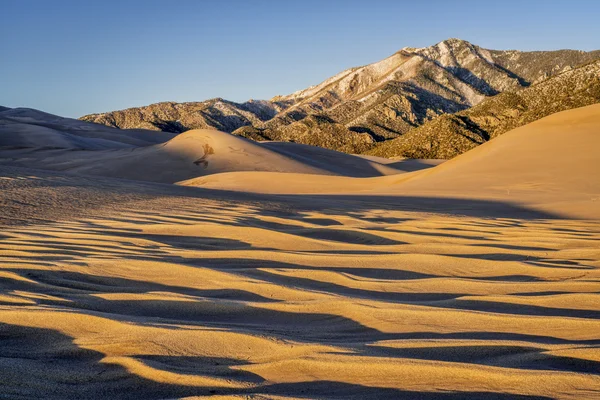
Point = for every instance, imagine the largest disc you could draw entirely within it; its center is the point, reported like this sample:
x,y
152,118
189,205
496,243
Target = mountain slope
x,y
179,117
450,135
382,100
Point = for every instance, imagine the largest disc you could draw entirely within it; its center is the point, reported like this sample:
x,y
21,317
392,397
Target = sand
x,y
33,139
551,165
416,285
29,128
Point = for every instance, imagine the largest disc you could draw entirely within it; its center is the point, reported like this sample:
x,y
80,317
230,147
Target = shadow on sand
x,y
62,370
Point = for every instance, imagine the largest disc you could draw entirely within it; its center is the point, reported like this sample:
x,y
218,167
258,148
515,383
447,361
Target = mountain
x,y
179,117
450,135
360,106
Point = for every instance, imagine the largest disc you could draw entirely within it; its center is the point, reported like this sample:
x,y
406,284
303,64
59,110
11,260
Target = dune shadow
x,y
529,259
429,299
332,288
518,309
512,247
330,161
421,204
219,367
44,363
65,284
223,308
195,242
437,234
335,390
249,264
494,336
344,236
412,164
315,221
384,219
504,356
242,318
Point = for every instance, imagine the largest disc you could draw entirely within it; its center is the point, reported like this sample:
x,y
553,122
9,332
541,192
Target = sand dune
x,y
28,128
205,152
189,155
433,284
551,164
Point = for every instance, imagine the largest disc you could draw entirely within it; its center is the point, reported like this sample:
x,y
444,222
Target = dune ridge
x,y
29,128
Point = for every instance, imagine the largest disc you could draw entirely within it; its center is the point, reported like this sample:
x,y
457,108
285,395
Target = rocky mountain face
x,y
179,117
356,108
452,134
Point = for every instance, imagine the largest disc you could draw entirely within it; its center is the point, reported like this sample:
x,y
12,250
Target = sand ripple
x,y
207,298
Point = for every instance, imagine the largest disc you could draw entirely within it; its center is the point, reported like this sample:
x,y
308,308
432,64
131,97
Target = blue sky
x,y
77,57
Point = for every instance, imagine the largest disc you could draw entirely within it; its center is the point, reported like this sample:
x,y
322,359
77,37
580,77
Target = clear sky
x,y
82,56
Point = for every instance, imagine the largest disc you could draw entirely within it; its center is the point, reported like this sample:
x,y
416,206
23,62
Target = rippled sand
x,y
146,292
475,279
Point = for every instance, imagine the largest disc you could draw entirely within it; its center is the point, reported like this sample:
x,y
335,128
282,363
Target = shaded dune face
x,y
166,292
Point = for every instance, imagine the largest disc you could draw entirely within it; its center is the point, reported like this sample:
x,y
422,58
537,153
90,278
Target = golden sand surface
x,y
122,289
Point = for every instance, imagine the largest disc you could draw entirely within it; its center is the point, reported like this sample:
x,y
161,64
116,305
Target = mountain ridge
x,y
452,134
360,106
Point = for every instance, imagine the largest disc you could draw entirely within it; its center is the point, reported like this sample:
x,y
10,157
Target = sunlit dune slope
x,y
552,163
193,154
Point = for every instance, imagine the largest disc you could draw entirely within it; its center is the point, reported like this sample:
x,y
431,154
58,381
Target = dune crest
x,y
29,128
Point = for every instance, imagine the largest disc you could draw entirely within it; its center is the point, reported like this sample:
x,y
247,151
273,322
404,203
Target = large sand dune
x,y
28,128
551,164
205,152
433,284
34,139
